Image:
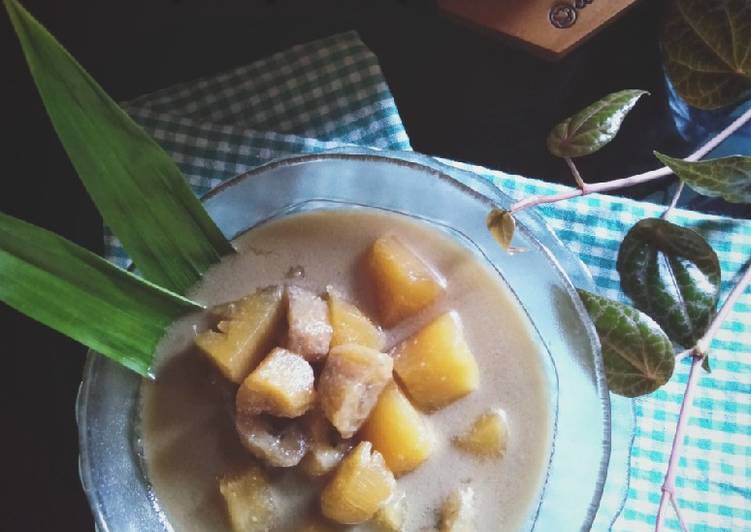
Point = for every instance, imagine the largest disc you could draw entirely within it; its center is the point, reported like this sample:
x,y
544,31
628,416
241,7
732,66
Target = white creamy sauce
x,y
188,435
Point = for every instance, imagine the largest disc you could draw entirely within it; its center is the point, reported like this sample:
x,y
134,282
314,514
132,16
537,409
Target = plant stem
x,y
697,353
674,201
703,344
634,179
575,172
668,485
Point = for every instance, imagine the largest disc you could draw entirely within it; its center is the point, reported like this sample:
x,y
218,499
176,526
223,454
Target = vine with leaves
x,y
670,273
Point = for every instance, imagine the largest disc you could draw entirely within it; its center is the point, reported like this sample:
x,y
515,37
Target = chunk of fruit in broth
x,y
245,333
360,487
282,385
436,365
350,384
402,283
398,431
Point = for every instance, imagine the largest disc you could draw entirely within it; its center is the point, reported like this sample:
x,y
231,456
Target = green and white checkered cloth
x,y
330,93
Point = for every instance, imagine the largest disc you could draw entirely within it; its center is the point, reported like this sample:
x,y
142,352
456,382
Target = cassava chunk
x,y
245,333
350,384
436,365
458,511
398,431
250,500
327,448
487,437
360,486
402,283
278,442
391,516
352,326
309,328
281,385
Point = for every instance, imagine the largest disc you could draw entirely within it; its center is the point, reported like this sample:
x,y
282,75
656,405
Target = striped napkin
x,y
331,92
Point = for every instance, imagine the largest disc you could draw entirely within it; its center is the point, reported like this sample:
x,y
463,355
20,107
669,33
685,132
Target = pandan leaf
x,y
673,275
134,183
726,177
594,126
84,296
501,225
706,46
638,355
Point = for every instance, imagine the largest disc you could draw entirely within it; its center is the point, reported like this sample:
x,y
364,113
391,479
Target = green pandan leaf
x,y
84,296
672,274
136,186
638,355
594,126
726,177
707,50
501,224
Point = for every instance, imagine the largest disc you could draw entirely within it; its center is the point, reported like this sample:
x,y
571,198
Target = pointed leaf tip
x,y
136,186
725,177
594,126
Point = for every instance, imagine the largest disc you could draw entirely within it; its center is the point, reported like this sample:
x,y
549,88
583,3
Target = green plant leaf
x,y
84,296
673,275
594,126
726,177
501,224
638,355
136,186
707,51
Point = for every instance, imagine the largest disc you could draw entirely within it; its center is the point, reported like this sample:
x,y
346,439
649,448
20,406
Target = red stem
x,y
697,353
668,486
531,201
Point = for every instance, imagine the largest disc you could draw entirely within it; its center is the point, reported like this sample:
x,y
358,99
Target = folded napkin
x,y
330,93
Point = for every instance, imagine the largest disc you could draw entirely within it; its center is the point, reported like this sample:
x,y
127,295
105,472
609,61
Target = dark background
x,y
461,95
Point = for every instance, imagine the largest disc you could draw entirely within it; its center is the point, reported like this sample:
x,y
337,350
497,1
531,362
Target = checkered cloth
x,y
330,93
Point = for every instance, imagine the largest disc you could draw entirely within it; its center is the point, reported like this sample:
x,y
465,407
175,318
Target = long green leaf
x,y
594,126
136,186
673,275
638,355
84,296
726,177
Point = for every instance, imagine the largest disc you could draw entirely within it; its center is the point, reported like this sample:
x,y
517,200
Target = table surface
x,y
461,94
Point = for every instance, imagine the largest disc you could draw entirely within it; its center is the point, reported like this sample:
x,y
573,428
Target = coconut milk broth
x,y
187,430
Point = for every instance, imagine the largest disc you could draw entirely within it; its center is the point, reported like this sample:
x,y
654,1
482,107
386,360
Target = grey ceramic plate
x,y
451,200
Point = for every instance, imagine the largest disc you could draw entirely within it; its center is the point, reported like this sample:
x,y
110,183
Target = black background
x,y
461,94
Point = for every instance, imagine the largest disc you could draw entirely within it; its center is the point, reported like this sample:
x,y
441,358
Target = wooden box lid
x,y
548,27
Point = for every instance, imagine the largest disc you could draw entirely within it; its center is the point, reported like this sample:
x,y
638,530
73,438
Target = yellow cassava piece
x,y
282,385
351,326
398,431
245,334
249,499
360,486
402,283
436,365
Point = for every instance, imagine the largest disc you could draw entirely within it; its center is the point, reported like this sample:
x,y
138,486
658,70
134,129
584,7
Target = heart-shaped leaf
x,y
501,225
638,355
672,274
707,50
726,177
134,183
594,126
